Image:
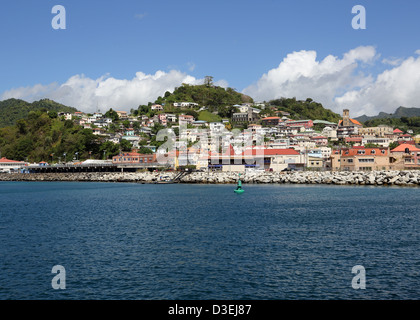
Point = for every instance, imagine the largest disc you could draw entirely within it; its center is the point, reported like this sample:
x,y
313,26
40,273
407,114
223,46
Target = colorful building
x,y
133,158
405,156
360,159
8,166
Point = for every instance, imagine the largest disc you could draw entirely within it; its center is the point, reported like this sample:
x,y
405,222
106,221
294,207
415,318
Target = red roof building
x,y
7,165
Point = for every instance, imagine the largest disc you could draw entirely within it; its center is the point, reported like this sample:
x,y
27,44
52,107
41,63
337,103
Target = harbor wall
x,y
403,178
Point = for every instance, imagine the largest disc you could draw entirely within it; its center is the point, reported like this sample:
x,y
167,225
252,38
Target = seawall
x,y
401,178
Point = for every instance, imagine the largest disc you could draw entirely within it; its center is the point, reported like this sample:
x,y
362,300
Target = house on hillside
x,y
348,127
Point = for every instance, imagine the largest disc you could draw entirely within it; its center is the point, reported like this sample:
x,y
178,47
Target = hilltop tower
x,y
346,118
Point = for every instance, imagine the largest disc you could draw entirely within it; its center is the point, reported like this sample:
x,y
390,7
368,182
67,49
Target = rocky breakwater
x,y
404,178
144,177
401,178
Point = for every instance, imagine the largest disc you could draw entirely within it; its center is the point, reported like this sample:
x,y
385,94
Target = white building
x,y
217,127
8,166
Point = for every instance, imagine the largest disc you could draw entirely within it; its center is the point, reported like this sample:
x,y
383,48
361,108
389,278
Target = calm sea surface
x,y
138,241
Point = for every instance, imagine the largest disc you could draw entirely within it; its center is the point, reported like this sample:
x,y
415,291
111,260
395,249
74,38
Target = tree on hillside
x,y
112,115
125,145
208,81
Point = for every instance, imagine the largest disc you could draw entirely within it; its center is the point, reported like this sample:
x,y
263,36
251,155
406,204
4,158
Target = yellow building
x,y
379,131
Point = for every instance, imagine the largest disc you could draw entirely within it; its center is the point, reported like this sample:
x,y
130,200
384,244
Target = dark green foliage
x,y
126,145
399,113
302,110
210,96
38,136
12,110
145,150
112,115
404,123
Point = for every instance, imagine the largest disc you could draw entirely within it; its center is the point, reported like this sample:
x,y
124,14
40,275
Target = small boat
x,y
239,189
164,180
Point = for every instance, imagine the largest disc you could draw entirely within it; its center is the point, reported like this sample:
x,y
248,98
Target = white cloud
x,y
343,83
392,88
301,75
418,51
392,61
106,92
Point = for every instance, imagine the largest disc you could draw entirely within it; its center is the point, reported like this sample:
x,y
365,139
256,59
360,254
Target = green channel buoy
x,y
239,189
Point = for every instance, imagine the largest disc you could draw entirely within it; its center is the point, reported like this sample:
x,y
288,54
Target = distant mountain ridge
x,y
12,110
399,113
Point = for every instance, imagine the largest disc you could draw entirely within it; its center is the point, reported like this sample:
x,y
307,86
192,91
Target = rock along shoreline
x,y
387,178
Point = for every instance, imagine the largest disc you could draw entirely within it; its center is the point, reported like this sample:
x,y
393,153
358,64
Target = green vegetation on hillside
x,y
209,117
210,96
399,113
301,110
12,110
41,135
403,123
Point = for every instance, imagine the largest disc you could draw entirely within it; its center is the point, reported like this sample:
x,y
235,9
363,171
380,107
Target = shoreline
x,y
379,178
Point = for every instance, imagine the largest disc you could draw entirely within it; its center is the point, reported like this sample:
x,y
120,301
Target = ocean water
x,y
149,242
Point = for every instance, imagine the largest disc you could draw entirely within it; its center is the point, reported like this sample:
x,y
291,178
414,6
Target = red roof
x,y
270,152
353,139
367,152
397,131
402,147
4,160
271,118
352,120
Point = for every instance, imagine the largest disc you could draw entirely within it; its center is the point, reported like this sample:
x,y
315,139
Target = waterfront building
x,y
133,158
8,166
361,159
256,158
406,156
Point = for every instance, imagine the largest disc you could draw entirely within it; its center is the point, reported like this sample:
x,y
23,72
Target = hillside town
x,y
286,145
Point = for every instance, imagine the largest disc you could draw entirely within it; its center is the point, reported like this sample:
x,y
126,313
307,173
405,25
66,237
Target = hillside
x,y
399,113
40,135
12,110
210,96
403,123
307,109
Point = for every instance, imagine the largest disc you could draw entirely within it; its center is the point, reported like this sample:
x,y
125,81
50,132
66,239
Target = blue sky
x,y
236,42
